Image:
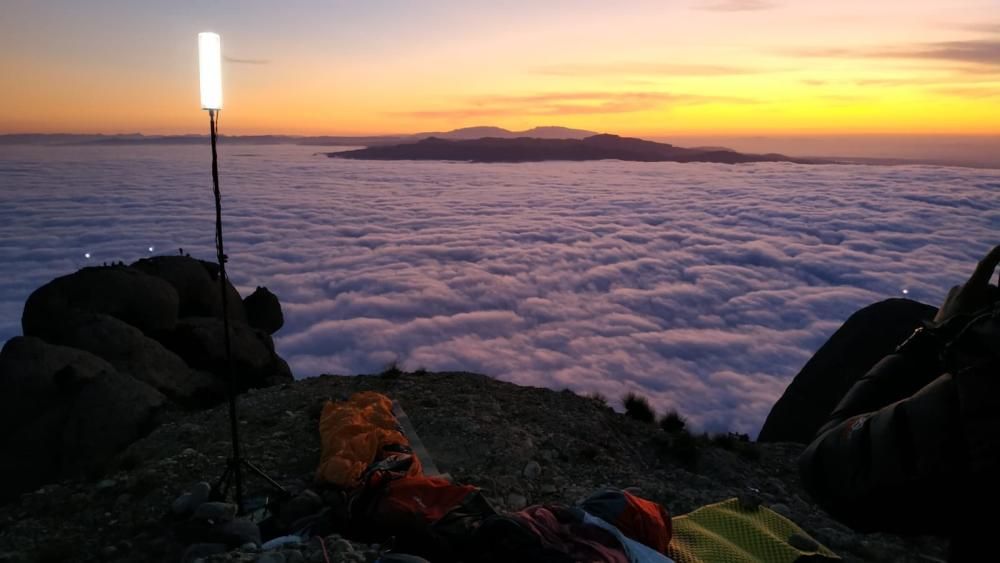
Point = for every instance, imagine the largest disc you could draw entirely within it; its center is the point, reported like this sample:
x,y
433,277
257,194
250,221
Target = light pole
x,y
210,67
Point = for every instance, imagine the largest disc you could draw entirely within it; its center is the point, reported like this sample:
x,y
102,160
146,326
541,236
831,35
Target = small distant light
x,y
906,292
86,255
151,249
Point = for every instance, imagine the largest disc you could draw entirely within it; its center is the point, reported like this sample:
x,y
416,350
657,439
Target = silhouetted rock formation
x,y
264,311
853,349
597,147
106,348
197,285
130,352
200,341
141,300
64,412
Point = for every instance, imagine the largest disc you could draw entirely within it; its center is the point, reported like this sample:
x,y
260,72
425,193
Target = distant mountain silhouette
x,y
522,149
469,133
954,150
63,138
139,139
329,140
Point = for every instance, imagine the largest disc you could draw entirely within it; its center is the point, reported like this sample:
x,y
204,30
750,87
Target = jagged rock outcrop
x,y
146,302
854,348
64,412
197,285
264,311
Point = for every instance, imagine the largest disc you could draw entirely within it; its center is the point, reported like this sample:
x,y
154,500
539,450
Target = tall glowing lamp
x,y
210,69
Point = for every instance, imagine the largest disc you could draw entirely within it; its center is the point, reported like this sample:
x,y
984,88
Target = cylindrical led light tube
x,y
210,65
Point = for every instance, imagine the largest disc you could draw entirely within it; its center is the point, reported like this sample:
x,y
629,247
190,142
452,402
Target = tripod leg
x,y
260,473
222,486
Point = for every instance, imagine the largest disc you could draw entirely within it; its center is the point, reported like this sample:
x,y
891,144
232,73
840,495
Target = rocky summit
x,y
114,434
521,445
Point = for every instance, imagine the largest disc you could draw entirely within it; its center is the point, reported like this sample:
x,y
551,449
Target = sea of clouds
x,y
704,287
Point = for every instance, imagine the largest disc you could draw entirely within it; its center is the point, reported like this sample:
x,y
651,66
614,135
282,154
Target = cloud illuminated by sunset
x,y
651,68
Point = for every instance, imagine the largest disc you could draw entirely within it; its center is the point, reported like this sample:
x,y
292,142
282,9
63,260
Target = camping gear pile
x,y
376,483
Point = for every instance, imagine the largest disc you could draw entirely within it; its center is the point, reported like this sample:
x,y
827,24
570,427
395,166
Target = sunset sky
x,y
649,68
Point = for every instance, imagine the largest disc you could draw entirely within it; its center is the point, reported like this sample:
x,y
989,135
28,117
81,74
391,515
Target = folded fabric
x,y
636,551
726,532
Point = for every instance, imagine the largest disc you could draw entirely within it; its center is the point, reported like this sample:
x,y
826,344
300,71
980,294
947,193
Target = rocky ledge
x,y
521,445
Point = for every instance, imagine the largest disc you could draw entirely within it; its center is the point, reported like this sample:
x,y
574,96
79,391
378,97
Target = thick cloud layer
x,y
704,287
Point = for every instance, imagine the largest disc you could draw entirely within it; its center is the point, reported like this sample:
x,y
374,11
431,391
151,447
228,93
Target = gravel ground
x,y
521,445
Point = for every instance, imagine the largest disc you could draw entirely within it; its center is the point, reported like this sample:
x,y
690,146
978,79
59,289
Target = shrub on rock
x,y
264,311
598,398
672,422
637,407
197,285
143,301
64,412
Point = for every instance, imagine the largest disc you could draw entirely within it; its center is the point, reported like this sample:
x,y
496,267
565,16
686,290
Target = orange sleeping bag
x,y
355,434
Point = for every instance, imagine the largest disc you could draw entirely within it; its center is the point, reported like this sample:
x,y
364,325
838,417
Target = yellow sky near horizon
x,y
647,68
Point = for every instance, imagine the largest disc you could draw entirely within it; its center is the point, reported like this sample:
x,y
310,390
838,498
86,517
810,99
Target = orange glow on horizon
x,y
653,70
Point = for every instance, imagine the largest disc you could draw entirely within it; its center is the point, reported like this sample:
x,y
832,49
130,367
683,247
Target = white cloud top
x,y
705,287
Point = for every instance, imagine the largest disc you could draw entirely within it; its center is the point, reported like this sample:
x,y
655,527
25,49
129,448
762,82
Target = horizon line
x,y
777,133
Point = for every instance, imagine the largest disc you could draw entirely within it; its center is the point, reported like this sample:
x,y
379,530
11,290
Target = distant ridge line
x,y
527,149
544,132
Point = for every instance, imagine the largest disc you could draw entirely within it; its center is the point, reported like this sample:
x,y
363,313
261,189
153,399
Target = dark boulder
x,y
130,352
264,311
197,285
108,414
867,336
143,301
282,373
200,342
64,412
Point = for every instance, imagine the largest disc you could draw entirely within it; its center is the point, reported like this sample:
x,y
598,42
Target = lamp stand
x,y
235,465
